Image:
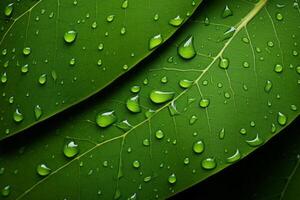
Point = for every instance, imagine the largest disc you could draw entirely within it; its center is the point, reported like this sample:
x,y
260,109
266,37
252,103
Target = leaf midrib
x,y
242,24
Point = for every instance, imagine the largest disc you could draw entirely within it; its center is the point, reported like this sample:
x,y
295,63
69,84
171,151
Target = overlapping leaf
x,y
56,53
237,92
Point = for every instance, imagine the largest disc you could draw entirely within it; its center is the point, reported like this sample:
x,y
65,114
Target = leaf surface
x,y
56,53
224,114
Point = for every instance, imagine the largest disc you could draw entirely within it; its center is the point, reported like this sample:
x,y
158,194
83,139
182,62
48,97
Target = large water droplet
x,y
43,170
161,96
106,119
155,41
186,49
133,104
198,147
70,36
70,149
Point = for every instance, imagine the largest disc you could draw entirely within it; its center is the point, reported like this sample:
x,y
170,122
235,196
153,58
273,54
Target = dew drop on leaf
x,y
136,164
5,191
70,36
42,79
43,170
26,51
185,83
24,69
235,157
176,21
124,125
159,134
198,147
133,104
18,116
155,41
278,68
224,63
37,112
268,86
257,141
110,18
161,96
204,103
8,10
106,119
186,49
227,12
4,78
172,179
135,89
279,16
208,163
281,118
70,149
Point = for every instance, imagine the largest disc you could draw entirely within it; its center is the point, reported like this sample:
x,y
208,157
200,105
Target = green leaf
x,y
197,116
54,54
272,172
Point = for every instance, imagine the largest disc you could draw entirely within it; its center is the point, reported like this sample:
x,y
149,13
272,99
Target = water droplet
x,y
37,112
270,44
198,147
18,116
136,164
206,21
173,109
257,141
227,12
124,125
110,18
156,17
208,163
164,79
294,107
100,46
282,119
161,96
279,16
186,161
176,21
147,178
235,157
268,86
204,103
43,170
186,49
5,191
106,119
123,30
222,133
273,128
146,142
4,78
193,119
155,41
149,113
26,51
135,89
278,68
172,179
133,104
224,63
70,149
24,69
70,36
8,10
243,131
185,83
124,4
159,134
42,79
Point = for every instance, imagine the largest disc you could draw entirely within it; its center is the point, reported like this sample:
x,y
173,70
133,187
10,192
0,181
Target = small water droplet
x,y
124,125
42,79
43,170
198,147
208,163
24,69
8,10
106,119
279,16
172,179
224,63
26,51
204,103
222,133
278,68
70,149
146,142
268,86
136,164
18,116
110,18
227,12
186,49
124,4
193,119
135,89
257,141
159,134
185,83
282,119
4,78
186,161
37,112
176,21
5,191
235,157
